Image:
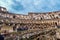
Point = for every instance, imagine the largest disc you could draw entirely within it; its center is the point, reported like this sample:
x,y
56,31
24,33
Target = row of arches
x,y
22,26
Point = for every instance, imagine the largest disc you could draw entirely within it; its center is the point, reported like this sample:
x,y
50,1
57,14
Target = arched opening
x,y
41,18
57,17
14,16
14,28
56,23
58,39
37,38
1,22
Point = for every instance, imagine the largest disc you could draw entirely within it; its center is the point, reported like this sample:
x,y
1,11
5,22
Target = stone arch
x,y
14,16
55,23
37,38
58,39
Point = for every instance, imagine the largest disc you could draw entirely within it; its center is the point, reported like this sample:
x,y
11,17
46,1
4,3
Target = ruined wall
x,y
32,15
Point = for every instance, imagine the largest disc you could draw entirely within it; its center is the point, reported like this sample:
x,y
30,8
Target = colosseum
x,y
34,26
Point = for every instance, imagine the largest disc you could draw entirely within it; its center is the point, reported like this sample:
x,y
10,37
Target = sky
x,y
25,6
